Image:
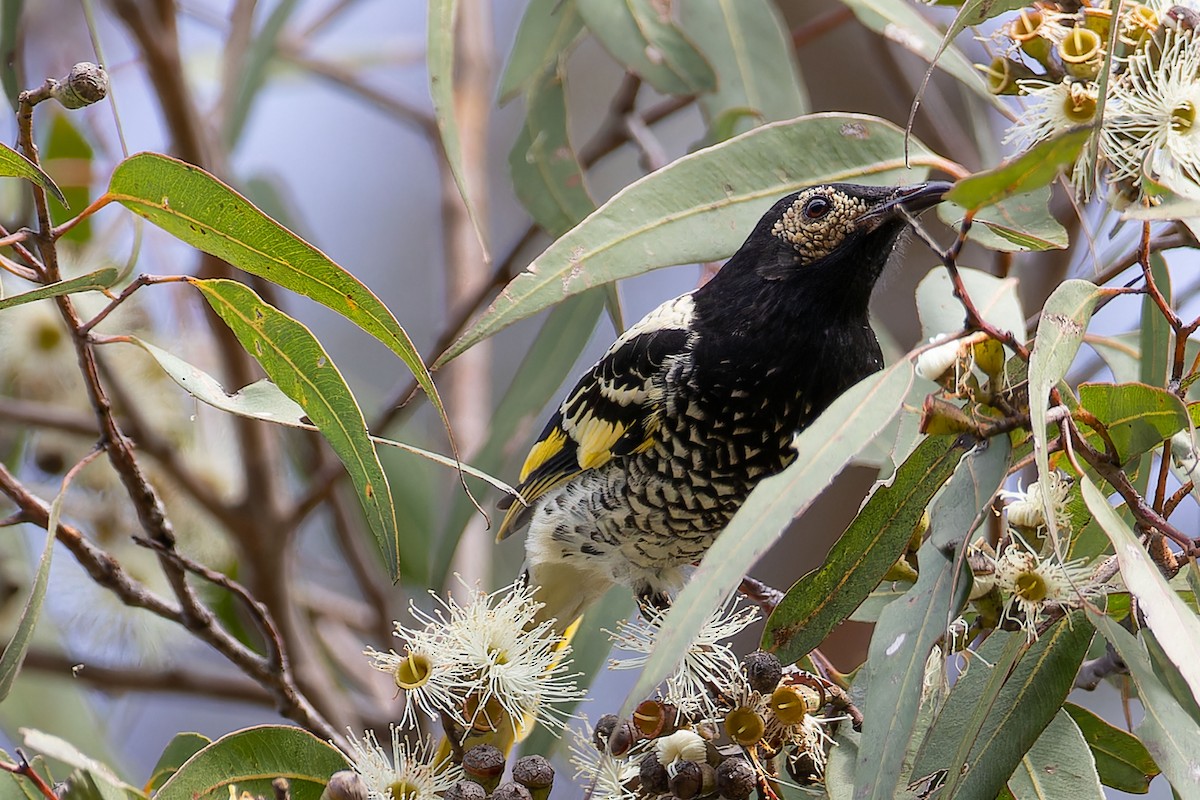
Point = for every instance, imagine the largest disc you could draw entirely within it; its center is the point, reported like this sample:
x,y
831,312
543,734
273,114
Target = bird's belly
x,y
636,520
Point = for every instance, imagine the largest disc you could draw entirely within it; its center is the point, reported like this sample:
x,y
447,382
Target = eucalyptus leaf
x,y
941,312
181,747
298,364
250,759
860,558
546,32
895,670
545,169
648,43
1033,169
748,44
198,209
1175,626
996,728
109,785
15,165
1121,759
1018,223
826,446
1169,733
439,62
1065,317
1137,417
93,281
701,208
1059,765
966,499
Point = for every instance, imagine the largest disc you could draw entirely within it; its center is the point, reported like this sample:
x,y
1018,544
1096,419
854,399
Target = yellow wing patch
x,y
596,438
543,451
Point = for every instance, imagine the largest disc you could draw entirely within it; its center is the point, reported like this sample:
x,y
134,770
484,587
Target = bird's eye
x,y
817,207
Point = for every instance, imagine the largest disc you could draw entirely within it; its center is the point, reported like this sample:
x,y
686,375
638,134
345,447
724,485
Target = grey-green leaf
x,y
649,43
1169,733
547,30
750,48
1065,317
895,670
1121,759
701,208
544,167
1059,766
15,165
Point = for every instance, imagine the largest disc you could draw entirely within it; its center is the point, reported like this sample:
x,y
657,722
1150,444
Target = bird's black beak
x,y
908,201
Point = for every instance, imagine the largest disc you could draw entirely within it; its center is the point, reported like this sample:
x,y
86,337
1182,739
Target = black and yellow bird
x,y
660,443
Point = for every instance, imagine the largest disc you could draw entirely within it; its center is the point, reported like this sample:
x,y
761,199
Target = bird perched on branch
x,y
659,444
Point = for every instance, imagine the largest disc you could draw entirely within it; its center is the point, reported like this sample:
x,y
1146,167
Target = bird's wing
x,y
614,410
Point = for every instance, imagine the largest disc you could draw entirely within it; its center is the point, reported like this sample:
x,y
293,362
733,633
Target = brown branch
x,y
172,680
107,572
24,768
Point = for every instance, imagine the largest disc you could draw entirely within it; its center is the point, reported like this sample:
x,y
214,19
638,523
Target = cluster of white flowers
x,y
483,663
412,772
709,666
1034,584
1148,139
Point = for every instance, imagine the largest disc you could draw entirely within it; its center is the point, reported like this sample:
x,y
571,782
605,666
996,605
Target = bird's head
x,y
832,239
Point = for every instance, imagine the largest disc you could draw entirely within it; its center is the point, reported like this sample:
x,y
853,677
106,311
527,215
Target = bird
x,y
653,451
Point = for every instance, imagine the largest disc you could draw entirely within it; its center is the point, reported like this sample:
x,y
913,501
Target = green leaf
x,y
887,593
941,312
1170,735
439,62
18,645
895,669
198,209
93,281
1065,317
1138,417
1121,759
1033,169
107,784
549,361
1018,223
181,747
11,76
265,401
67,155
879,534
1059,766
545,170
851,422
1154,334
899,21
294,359
1168,674
15,165
749,46
966,499
1121,354
700,208
1175,626
547,30
646,42
250,759
1012,718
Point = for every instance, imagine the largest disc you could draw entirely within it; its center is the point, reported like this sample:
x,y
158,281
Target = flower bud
x,y
623,737
653,774
940,416
687,781
465,790
680,746
345,785
763,671
535,774
484,764
85,84
735,778
511,791
603,730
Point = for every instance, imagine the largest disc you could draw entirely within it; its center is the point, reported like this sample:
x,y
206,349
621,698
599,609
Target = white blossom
x,y
409,774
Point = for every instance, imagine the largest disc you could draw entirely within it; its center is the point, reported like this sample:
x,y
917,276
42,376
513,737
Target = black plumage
x,y
660,442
